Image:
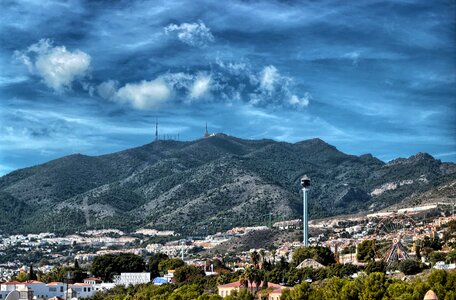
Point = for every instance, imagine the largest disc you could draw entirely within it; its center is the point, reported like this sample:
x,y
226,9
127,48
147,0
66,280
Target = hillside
x,y
207,184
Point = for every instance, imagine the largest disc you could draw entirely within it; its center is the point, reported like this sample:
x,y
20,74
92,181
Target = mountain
x,y
207,185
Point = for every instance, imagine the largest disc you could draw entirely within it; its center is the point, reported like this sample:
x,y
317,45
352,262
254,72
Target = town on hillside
x,y
270,261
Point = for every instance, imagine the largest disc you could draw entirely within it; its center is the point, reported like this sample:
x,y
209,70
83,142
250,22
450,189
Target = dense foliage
x,y
369,287
106,266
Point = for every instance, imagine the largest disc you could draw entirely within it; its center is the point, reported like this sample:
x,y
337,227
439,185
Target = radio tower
x,y
156,130
206,134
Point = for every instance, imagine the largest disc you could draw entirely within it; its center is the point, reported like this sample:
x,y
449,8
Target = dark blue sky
x,y
92,76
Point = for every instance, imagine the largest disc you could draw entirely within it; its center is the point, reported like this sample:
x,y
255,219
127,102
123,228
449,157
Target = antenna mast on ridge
x,y
156,129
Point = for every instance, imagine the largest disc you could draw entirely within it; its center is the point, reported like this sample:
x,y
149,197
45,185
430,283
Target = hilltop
x,y
207,185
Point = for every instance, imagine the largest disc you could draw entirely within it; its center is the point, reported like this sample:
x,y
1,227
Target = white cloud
x,y
145,94
269,76
57,66
200,86
300,102
193,34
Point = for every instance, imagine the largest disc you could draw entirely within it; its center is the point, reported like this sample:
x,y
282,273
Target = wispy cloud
x,y
193,34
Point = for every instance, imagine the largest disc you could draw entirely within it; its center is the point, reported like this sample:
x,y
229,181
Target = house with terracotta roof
x,y
274,290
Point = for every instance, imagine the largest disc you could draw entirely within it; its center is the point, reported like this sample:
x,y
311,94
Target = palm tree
x,y
255,258
249,274
263,258
258,277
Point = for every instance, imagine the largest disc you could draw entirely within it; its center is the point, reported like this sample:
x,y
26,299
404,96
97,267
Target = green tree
x,y
410,267
399,290
351,290
319,253
188,273
255,258
451,257
31,275
244,294
186,292
21,277
106,266
375,266
300,291
76,264
332,288
437,280
153,263
249,275
437,256
373,287
169,264
366,251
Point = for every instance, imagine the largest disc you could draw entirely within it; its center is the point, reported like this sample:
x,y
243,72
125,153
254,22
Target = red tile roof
x,y
34,282
93,278
80,284
12,283
238,284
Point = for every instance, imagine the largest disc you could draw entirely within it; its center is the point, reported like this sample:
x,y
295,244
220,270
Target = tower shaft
x,y
305,220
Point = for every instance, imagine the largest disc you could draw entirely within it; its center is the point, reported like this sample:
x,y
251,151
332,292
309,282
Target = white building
x,y
132,278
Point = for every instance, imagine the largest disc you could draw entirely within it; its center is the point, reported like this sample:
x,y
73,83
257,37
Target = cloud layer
x,y
367,76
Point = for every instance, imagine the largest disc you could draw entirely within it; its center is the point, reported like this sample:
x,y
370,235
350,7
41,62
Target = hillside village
x,y
427,233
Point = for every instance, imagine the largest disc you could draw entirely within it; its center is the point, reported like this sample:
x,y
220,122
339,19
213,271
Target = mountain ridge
x,y
216,182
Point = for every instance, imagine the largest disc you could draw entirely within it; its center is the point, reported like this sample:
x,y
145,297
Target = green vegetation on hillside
x,y
206,185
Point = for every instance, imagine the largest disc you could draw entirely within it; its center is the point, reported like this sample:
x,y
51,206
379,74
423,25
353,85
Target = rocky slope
x,y
207,185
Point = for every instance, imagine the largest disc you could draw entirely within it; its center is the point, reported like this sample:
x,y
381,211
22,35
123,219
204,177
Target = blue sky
x,y
91,77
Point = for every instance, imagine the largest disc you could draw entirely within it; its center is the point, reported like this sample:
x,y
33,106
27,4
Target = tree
x,y
375,266
351,290
451,257
31,275
21,277
245,295
373,287
188,273
300,291
433,243
366,251
399,290
410,267
153,263
186,292
255,258
76,264
437,256
319,253
106,266
258,278
249,274
169,264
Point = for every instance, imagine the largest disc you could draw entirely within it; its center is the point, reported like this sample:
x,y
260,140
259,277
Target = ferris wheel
x,y
394,237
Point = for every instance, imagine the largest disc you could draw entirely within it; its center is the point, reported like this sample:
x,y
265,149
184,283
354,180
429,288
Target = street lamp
x,y
305,183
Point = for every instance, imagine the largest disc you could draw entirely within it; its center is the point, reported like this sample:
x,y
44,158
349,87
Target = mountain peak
x,y
419,157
